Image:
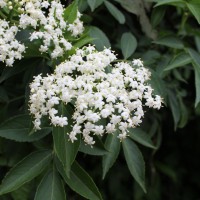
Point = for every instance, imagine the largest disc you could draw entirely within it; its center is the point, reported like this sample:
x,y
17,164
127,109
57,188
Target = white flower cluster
x,y
46,19
3,3
10,48
117,96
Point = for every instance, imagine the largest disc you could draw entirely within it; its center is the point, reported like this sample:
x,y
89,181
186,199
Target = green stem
x,y
2,15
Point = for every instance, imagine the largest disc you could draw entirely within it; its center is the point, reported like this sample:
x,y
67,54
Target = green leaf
x,y
22,193
70,13
51,187
170,41
97,149
128,44
18,68
94,4
178,75
27,169
157,15
158,84
80,181
194,7
197,42
115,12
165,2
138,7
141,137
18,128
135,162
196,64
175,107
180,60
65,149
83,41
112,144
184,114
100,39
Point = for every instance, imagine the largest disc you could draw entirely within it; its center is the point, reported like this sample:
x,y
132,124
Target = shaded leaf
x,y
138,7
27,169
97,149
165,2
115,12
51,187
65,149
22,193
80,181
157,15
18,68
112,144
170,41
194,7
196,64
135,162
100,39
18,128
197,42
141,137
175,107
94,4
180,60
128,44
158,84
184,114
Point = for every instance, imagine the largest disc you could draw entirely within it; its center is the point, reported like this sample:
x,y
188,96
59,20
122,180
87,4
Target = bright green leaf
x,y
27,169
51,187
194,7
128,44
18,128
70,13
135,161
100,38
115,12
94,4
80,182
141,137
170,41
112,144
83,41
180,60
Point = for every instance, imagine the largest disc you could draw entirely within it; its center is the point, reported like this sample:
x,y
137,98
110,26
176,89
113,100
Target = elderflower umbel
x,y
52,25
10,48
103,102
45,20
